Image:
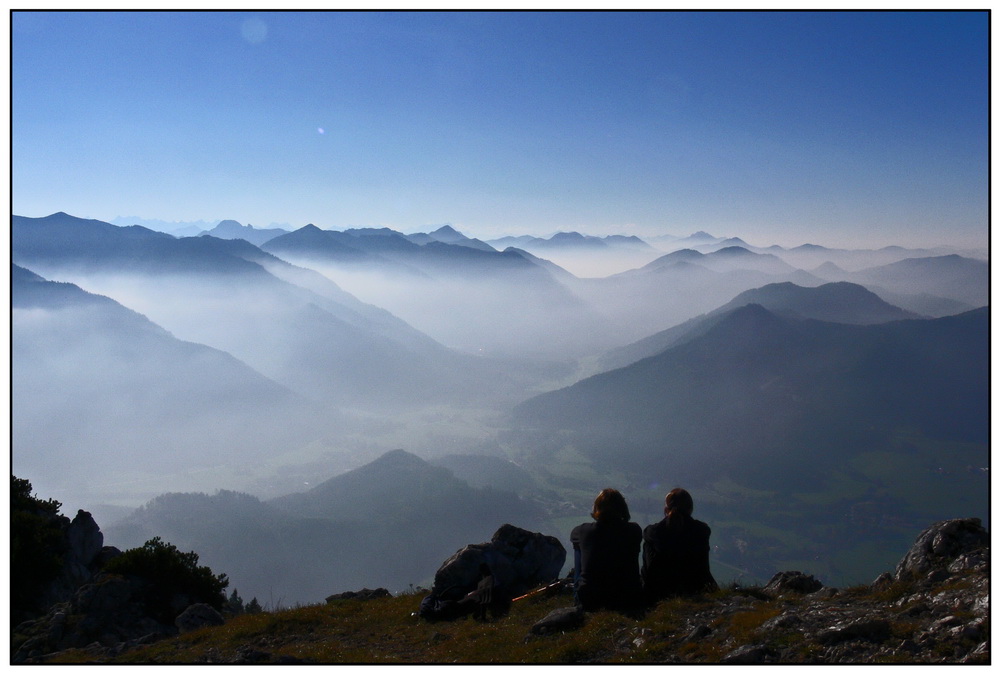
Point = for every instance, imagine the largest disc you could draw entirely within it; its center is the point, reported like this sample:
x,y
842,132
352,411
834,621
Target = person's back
x,y
675,552
607,557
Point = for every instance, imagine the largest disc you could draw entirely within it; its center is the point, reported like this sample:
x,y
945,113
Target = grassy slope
x,y
385,631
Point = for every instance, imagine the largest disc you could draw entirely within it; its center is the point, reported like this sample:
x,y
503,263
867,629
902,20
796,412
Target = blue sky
x,y
842,129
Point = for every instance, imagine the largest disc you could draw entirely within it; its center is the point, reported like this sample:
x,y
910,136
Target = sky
x,y
847,129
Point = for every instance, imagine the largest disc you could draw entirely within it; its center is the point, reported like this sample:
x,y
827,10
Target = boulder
x,y
558,620
940,544
519,560
198,616
363,594
794,581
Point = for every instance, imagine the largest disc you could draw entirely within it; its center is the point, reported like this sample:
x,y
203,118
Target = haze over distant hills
x,y
292,325
104,400
395,519
756,391
784,395
840,302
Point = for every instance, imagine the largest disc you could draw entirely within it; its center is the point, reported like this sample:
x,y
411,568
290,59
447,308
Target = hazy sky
x,y
844,129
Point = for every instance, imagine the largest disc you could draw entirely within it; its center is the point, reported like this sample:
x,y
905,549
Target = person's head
x,y
610,505
678,504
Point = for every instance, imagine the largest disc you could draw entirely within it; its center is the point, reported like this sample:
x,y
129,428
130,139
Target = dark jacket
x,y
608,564
675,560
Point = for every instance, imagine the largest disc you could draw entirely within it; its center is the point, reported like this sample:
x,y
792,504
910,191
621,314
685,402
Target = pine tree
x,y
235,603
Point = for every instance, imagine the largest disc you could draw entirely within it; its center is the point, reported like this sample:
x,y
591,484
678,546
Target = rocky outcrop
x,y
79,546
519,560
794,581
101,613
941,544
101,616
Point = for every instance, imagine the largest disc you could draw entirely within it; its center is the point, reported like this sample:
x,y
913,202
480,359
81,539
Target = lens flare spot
x,y
254,30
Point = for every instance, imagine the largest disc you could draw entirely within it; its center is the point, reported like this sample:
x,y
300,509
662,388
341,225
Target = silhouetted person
x,y
675,551
606,556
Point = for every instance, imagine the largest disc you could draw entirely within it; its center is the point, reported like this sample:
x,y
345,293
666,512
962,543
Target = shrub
x,y
170,573
38,545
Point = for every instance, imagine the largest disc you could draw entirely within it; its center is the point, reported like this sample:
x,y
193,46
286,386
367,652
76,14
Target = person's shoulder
x,y
580,529
702,526
653,529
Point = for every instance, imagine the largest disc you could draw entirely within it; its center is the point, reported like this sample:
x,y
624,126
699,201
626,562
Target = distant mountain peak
x,y
447,234
399,457
733,251
566,236
701,234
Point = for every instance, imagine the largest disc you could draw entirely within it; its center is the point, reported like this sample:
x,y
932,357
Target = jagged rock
x,y
82,554
786,621
198,616
975,561
825,593
519,560
697,633
363,594
748,654
873,630
566,618
794,581
883,580
940,544
85,538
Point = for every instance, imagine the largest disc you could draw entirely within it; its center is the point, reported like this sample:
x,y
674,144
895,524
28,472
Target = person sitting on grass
x,y
675,551
606,556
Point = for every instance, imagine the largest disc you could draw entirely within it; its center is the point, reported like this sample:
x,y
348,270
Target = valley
x,y
370,401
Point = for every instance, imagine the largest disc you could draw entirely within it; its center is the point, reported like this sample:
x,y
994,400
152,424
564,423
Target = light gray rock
x,y
519,560
940,544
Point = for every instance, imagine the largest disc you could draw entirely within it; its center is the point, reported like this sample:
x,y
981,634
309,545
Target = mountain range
x,y
814,412
839,302
493,303
290,324
758,390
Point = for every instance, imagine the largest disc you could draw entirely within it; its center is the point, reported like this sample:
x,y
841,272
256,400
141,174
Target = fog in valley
x,y
315,411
